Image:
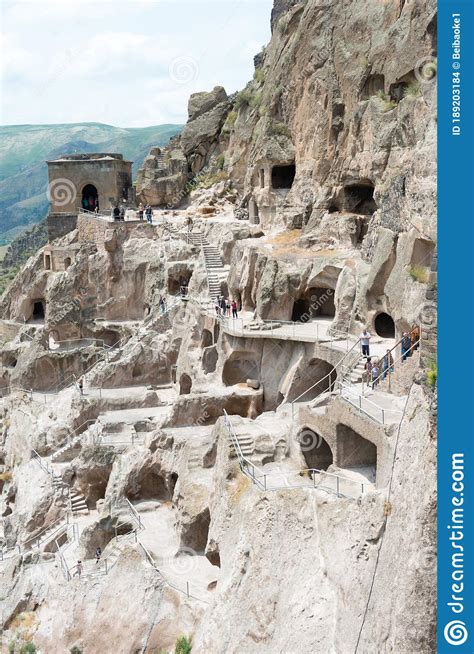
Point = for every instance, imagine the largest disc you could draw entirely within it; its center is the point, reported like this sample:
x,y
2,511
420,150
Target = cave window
x,y
262,177
359,198
206,338
254,214
239,367
47,262
172,482
373,84
384,326
67,262
185,384
316,451
333,208
38,310
354,451
90,197
283,176
316,303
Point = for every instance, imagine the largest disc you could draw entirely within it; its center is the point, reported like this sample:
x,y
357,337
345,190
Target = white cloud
x,y
117,61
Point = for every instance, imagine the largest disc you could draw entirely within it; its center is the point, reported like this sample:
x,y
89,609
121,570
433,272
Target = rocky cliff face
x,y
305,517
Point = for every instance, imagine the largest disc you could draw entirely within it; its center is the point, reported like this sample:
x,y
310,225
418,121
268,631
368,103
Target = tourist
x,y
116,213
375,375
162,304
122,213
189,223
368,369
96,207
217,307
140,211
227,308
85,204
223,304
415,337
98,554
149,213
91,203
81,385
387,363
234,309
365,342
79,569
406,346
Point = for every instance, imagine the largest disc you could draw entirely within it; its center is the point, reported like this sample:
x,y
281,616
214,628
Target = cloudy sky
x,y
129,63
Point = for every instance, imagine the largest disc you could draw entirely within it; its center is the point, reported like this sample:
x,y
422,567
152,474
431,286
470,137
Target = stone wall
x,y
60,224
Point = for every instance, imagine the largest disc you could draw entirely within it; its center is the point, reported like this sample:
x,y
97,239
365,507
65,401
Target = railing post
x,y
383,416
265,482
187,588
337,486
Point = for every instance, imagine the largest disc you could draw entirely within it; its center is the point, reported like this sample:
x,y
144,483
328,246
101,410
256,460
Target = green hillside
x,y
25,148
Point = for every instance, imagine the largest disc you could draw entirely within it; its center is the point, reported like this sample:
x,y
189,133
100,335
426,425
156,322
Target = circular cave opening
x,y
385,326
316,451
239,367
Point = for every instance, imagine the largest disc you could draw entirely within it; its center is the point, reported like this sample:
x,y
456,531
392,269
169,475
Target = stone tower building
x,y
86,181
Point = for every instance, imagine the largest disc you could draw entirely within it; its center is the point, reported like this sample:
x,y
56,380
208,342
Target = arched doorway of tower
x,y
90,197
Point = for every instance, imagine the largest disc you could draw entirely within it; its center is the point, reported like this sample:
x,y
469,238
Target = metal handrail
x,y
396,361
152,562
60,522
261,479
362,398
326,376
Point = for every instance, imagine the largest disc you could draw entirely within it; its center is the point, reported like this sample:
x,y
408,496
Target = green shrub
x,y
432,374
183,645
384,102
255,100
419,274
28,648
75,650
412,90
278,128
220,161
243,98
259,75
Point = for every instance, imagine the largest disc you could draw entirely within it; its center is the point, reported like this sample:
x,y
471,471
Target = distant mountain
x,y
25,148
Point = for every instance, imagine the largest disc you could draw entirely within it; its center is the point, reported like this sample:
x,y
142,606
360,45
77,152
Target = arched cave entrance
x,y
147,484
315,449
359,198
354,451
283,176
315,303
185,384
239,367
316,377
67,262
195,534
384,326
38,310
90,197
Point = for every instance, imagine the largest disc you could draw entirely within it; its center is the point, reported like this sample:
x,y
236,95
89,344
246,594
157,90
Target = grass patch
x,y
206,181
412,90
383,102
259,75
277,128
419,274
432,374
6,476
183,645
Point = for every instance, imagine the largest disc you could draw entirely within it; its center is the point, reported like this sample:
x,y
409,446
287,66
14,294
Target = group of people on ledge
x,y
223,307
118,212
91,204
378,369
